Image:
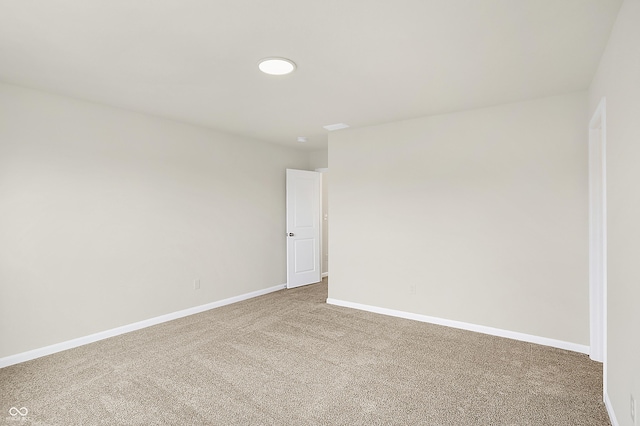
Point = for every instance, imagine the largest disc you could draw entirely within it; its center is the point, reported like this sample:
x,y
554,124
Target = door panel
x,y
305,256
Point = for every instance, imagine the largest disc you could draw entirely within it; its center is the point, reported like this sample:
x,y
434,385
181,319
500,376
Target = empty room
x,y
418,212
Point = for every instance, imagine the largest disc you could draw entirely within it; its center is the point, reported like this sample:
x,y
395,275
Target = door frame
x,y
598,243
322,170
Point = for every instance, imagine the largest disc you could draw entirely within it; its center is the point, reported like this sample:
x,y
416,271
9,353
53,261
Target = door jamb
x,y
322,247
597,287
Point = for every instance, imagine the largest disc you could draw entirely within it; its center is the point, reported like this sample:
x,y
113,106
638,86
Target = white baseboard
x,y
612,414
58,347
325,274
465,326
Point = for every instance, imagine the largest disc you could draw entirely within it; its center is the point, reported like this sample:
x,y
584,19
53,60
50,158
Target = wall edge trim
x,y
530,338
91,338
610,411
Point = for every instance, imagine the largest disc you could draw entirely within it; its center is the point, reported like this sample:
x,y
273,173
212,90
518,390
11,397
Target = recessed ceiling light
x,y
302,139
337,126
276,66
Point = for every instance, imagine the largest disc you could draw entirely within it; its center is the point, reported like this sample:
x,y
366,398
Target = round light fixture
x,y
276,66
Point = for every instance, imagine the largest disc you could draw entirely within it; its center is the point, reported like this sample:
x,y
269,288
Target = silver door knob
x,y
291,234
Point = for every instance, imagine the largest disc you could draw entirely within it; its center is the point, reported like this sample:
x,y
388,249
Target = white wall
x,y
107,216
618,79
484,212
318,159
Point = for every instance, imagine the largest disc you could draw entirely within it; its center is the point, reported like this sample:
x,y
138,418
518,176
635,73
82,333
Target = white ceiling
x,y
360,62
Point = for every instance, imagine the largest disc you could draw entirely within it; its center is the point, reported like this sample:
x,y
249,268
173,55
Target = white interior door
x,y
303,227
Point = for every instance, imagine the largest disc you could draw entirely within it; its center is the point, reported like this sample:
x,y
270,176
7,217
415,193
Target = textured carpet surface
x,y
288,358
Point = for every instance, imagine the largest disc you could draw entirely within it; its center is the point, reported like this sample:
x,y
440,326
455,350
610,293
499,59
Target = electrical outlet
x,y
196,284
412,289
634,411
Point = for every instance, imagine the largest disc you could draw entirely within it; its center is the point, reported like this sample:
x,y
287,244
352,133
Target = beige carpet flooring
x,y
288,358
